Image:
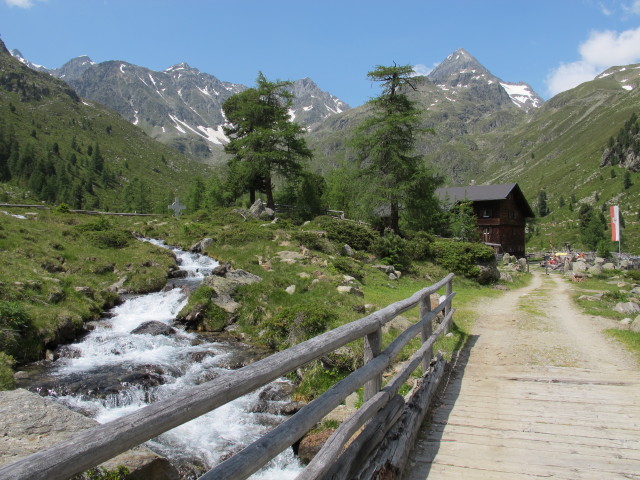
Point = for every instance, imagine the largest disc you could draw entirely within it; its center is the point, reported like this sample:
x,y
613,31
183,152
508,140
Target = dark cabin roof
x,y
478,193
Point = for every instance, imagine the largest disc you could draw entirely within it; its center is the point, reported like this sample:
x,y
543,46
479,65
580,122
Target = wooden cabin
x,y
501,212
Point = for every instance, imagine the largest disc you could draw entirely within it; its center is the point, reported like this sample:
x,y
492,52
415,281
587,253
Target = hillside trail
x,y
540,391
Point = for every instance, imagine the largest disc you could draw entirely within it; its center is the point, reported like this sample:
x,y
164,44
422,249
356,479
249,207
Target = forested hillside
x,y
58,148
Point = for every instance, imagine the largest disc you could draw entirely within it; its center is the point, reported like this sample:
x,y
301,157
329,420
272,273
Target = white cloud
x,y
20,3
633,8
421,69
602,50
605,10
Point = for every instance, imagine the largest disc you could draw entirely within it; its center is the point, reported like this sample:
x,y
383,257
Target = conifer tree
x,y
384,142
263,140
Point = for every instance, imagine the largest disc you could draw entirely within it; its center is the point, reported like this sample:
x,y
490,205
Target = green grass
x,y
51,253
631,340
46,260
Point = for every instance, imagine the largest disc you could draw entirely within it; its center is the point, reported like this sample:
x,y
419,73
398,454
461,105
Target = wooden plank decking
x,y
576,415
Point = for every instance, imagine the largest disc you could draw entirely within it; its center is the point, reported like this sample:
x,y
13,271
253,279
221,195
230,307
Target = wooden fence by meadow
x,y
391,422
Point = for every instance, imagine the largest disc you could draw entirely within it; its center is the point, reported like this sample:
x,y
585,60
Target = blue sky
x,y
551,44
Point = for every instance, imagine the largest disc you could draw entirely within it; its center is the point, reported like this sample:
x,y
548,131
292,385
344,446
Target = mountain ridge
x,y
180,106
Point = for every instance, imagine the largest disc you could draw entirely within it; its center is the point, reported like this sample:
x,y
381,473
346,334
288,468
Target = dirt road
x,y
541,392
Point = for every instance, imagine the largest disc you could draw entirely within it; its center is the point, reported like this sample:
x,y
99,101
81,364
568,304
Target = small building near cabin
x,y
501,212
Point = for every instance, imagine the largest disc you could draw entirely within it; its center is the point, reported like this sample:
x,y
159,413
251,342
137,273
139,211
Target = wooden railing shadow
x,y
427,448
385,415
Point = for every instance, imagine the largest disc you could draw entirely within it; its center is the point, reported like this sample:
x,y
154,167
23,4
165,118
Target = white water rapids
x,y
177,362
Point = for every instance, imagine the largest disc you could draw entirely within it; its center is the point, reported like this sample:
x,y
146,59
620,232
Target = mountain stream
x,y
111,372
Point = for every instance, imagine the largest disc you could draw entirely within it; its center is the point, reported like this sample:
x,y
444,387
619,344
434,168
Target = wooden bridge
x,y
379,435
539,392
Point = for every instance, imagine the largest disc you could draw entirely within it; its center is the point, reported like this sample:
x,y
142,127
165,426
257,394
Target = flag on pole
x,y
615,223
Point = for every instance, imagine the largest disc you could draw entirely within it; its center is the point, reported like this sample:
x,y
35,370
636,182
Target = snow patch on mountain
x,y
216,136
522,95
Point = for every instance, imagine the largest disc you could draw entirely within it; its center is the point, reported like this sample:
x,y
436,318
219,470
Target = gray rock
x,y
291,289
506,277
635,290
201,246
385,268
625,322
598,261
56,296
590,298
580,266
595,270
260,210
522,264
488,274
31,423
154,327
346,289
347,251
287,256
608,266
627,308
635,325
506,259
118,286
86,291
399,323
392,276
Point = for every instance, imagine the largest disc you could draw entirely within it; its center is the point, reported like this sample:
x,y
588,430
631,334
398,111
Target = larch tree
x,y
384,142
263,141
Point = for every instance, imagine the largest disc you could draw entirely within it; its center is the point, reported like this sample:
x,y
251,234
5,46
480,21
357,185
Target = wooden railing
x,y
381,409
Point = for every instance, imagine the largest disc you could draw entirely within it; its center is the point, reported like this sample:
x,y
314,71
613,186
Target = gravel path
x,y
541,392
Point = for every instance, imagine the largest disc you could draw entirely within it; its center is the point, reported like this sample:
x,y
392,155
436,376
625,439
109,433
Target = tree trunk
x,y
268,190
395,217
252,196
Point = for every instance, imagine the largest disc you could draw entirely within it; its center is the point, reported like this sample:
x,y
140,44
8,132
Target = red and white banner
x,y
615,223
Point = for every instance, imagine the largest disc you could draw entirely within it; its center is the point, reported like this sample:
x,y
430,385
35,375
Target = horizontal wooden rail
x,y
332,448
96,445
256,455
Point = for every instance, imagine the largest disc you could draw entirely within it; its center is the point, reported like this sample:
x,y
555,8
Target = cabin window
x,y
486,213
512,214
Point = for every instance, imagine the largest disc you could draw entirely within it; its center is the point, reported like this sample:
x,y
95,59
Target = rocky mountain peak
x,y
15,53
460,72
460,69
74,68
3,49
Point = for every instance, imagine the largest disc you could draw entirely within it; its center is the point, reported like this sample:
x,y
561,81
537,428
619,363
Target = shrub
x,y
349,266
462,257
633,275
101,473
314,241
392,250
296,324
420,246
7,380
110,238
355,235
14,320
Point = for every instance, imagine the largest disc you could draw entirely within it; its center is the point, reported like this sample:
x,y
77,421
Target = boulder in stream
x,y
154,327
31,423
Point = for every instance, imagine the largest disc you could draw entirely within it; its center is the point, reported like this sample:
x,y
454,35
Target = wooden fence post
x,y
427,329
372,348
447,308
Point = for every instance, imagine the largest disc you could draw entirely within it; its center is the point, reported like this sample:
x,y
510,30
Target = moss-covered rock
x,y
201,313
